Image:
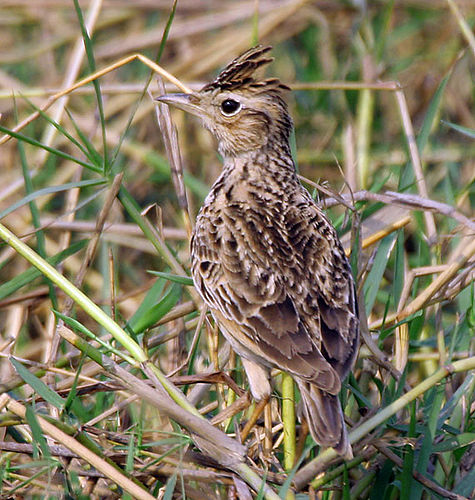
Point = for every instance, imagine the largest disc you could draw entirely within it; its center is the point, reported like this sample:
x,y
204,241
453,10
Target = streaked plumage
x,y
264,257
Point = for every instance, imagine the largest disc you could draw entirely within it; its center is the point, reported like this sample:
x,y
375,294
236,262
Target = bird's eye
x,y
230,107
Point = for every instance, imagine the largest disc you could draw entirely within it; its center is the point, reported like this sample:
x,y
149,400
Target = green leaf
x,y
35,214
29,275
166,31
373,280
407,176
97,88
92,352
432,111
72,394
37,433
470,132
183,280
346,485
51,190
432,404
134,212
170,487
129,464
457,398
284,489
454,442
398,269
466,486
150,299
54,151
94,156
159,310
163,168
59,128
353,386
34,464
38,385
261,492
382,481
408,464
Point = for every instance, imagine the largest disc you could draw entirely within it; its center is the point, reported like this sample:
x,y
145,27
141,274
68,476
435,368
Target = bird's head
x,y
244,112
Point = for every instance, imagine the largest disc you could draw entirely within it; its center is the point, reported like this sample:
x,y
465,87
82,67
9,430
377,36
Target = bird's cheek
x,y
209,125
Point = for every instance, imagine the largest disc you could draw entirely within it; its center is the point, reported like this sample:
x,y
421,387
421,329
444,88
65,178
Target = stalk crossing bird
x,y
264,257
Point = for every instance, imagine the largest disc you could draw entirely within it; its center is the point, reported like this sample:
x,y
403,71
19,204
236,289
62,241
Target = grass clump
x,y
98,353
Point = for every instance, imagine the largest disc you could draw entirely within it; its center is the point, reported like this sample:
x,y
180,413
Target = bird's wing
x,y
327,289
268,278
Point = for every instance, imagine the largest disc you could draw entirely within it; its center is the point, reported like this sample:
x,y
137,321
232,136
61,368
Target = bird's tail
x,y
325,418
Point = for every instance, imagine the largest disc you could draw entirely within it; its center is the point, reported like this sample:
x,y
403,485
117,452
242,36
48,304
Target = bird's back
x,y
266,258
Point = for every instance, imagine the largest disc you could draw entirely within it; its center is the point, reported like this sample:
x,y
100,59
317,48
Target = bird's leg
x,y
268,429
254,417
212,338
303,433
258,378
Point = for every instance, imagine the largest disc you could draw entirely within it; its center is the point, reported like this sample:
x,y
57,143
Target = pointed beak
x,y
186,102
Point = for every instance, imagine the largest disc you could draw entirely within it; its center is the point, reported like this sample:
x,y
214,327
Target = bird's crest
x,y
243,72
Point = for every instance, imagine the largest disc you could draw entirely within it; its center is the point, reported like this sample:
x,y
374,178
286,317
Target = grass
x,y
102,333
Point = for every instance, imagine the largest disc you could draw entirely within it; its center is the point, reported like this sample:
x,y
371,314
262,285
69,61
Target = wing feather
x,y
283,281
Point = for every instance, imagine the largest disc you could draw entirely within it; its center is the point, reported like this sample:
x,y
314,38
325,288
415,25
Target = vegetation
x,y
102,333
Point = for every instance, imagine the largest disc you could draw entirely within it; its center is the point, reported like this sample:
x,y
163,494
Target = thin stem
x,y
288,418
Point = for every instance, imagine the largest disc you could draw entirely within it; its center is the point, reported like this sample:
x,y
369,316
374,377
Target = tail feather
x,y
325,418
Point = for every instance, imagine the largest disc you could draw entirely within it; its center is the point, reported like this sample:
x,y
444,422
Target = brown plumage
x,y
264,256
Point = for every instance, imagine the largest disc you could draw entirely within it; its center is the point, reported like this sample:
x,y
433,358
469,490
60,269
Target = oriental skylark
x,y
265,258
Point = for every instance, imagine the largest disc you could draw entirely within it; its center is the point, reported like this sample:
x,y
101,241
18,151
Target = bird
x,y
264,257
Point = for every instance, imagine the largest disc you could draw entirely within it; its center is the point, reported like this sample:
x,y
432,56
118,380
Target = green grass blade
x,y
161,48
35,215
407,176
161,165
131,450
433,402
90,151
466,486
166,31
31,479
76,325
466,387
171,483
469,132
133,210
38,386
373,280
54,151
157,311
173,277
72,394
37,434
398,269
31,274
455,442
431,114
50,190
408,464
150,299
62,130
96,84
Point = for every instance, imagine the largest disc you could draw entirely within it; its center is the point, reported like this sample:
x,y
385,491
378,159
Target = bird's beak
x,y
186,102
